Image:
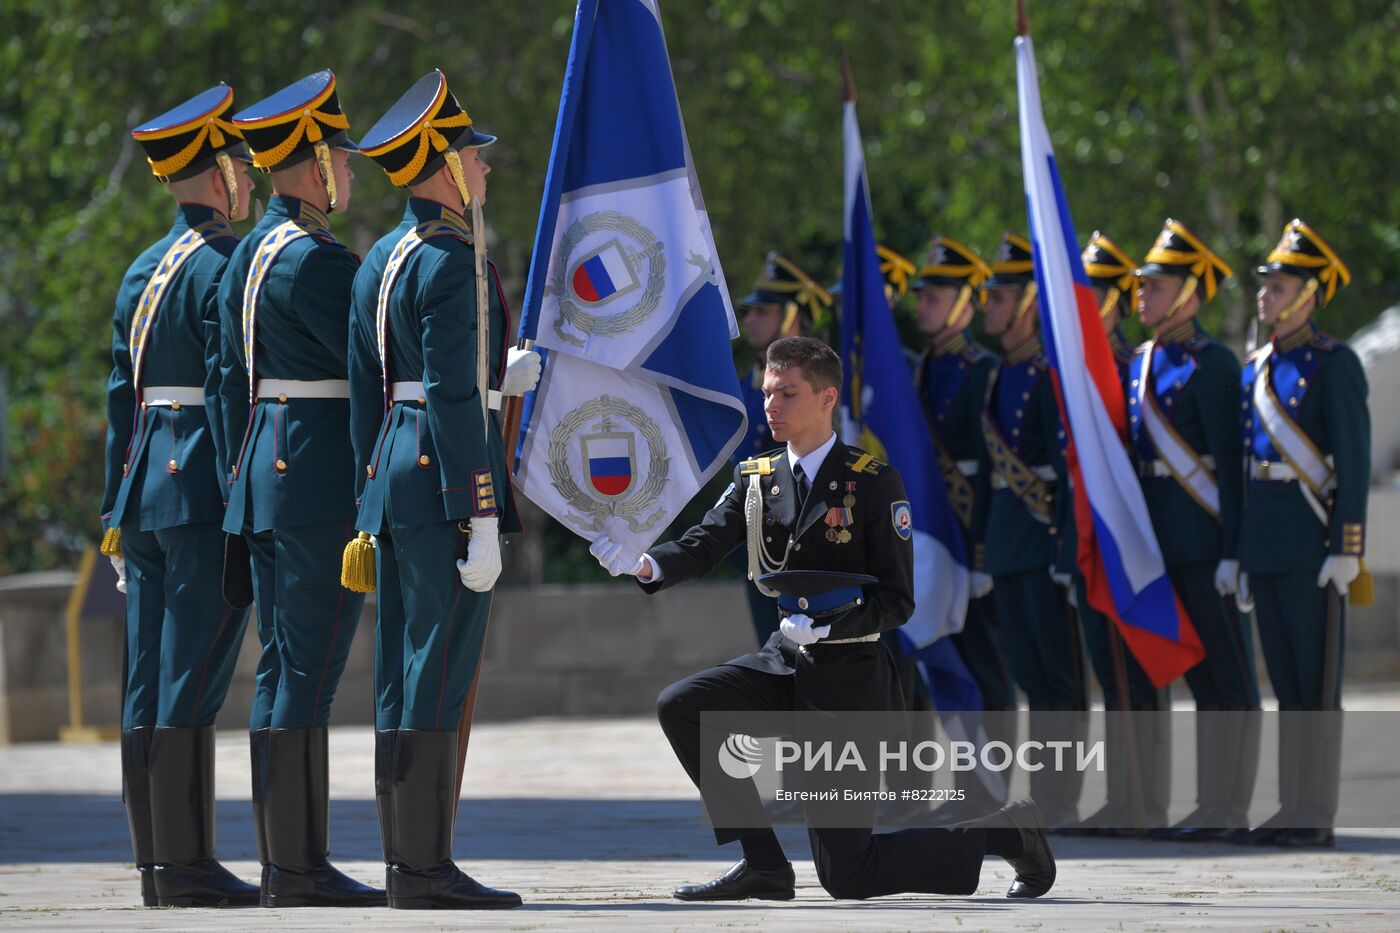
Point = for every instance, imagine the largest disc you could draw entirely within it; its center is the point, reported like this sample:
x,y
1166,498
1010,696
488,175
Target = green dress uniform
x,y
781,282
1021,454
1183,393
1137,747
850,669
429,459
285,309
952,380
1307,437
161,510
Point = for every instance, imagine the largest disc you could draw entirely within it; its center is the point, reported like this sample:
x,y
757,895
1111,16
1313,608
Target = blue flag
x,y
881,413
638,404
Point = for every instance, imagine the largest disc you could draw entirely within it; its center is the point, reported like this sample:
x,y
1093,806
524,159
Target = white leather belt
x,y
172,396
967,467
1276,471
283,389
413,392
1160,470
1045,473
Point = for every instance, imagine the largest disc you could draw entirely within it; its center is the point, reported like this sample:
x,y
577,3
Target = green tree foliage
x,y
1230,115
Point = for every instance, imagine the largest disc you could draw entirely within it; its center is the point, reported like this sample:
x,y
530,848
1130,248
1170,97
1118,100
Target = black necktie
x,y
804,485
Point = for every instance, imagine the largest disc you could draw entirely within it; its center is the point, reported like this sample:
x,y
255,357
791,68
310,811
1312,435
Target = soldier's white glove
x,y
1339,571
119,565
483,564
981,584
799,631
1244,599
614,557
1227,577
1061,579
522,372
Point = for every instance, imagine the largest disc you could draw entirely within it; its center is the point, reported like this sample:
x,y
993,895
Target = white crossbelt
x,y
283,389
172,396
1160,470
850,641
413,392
1043,472
969,467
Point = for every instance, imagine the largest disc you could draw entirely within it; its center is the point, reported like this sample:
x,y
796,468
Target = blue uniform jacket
x,y
423,463
161,461
290,463
1196,380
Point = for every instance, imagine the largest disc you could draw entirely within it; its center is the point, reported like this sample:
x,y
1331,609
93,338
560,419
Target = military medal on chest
x,y
840,518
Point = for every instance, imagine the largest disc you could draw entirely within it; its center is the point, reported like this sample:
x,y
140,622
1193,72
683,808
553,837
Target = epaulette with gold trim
x,y
861,462
1199,342
976,353
1325,342
758,466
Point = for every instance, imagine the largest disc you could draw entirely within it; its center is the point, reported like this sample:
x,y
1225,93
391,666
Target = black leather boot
x,y
385,742
423,875
299,873
182,824
136,794
257,759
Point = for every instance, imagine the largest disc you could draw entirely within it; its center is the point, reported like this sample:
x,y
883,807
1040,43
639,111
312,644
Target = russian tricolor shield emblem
x,y
603,274
609,461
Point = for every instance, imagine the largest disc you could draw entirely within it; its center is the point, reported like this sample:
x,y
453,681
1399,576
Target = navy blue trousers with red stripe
x,y
306,622
181,637
431,629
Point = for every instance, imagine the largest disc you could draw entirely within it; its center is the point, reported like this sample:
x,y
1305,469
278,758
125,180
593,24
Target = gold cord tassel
x,y
323,159
1362,591
357,566
112,543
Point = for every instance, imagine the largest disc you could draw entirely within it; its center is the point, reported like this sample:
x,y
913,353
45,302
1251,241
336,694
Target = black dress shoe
x,y
204,883
446,887
1259,836
1035,867
741,883
322,886
1201,834
1305,839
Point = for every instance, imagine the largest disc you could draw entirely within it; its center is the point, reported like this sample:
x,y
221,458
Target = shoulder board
x,y
860,462
1325,342
1199,342
976,353
760,466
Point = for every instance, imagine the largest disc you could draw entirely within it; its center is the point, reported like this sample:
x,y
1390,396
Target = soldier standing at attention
x,y
838,513
1137,748
952,375
163,503
1021,431
1308,440
285,307
1183,396
432,472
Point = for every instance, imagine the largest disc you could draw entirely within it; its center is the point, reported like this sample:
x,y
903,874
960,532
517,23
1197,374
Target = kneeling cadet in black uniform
x,y
834,663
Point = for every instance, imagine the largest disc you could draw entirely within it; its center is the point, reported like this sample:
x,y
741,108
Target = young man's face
x,y
1276,292
933,305
1000,308
475,169
794,408
1156,296
761,324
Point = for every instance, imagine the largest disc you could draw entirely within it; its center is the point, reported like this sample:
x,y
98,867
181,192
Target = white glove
x,y
1339,571
981,584
119,565
1061,579
522,372
614,557
1244,599
483,564
799,631
1227,577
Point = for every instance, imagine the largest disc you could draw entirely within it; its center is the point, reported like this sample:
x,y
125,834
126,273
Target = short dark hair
x,y
818,362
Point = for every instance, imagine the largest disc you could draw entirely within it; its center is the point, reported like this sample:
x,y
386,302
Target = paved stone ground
x,y
594,823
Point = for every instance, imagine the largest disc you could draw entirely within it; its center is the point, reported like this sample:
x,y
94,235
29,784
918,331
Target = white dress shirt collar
x,y
813,461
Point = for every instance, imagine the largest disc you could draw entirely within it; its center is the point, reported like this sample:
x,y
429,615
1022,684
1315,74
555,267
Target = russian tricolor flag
x,y
1118,551
603,275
